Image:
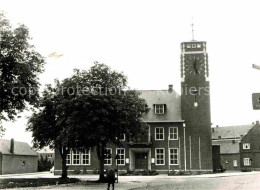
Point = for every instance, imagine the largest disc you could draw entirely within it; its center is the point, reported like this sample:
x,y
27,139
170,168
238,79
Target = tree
x,y
51,125
19,66
110,110
91,108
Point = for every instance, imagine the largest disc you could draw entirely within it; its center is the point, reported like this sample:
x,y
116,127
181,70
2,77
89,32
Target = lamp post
x,y
117,157
184,144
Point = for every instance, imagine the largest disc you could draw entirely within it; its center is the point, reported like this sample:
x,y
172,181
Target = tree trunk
x,y
63,154
101,151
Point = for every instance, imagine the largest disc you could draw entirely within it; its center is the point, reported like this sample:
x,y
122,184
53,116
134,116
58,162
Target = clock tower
x,y
195,106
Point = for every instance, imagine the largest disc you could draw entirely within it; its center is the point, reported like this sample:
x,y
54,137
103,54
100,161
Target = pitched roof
x,y
172,100
20,148
230,132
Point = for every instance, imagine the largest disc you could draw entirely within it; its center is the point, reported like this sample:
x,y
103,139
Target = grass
x,y
34,182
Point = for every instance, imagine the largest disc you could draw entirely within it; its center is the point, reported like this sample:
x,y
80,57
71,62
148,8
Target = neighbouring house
x,y
250,148
17,157
229,138
46,153
179,133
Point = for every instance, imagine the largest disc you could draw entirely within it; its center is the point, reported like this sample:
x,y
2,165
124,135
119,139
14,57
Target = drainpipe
x,y
184,144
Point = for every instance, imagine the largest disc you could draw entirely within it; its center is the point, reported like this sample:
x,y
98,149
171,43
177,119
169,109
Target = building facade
x,y
179,133
250,149
229,139
17,157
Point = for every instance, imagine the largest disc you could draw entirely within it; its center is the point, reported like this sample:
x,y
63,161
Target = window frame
x,y
108,159
246,146
247,161
159,154
70,160
159,133
235,163
89,157
77,153
119,156
156,109
177,133
177,153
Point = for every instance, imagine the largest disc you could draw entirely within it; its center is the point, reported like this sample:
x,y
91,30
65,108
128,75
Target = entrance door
x,y
141,160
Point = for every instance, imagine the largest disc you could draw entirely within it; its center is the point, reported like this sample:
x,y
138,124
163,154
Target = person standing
x,y
110,178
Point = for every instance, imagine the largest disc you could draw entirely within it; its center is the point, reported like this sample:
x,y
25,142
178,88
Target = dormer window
x,y
193,45
159,108
246,145
188,46
198,45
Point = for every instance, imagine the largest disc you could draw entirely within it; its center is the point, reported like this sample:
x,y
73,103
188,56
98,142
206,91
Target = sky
x,y
142,39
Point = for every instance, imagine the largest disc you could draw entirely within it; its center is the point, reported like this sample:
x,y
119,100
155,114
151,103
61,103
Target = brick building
x,y
250,148
229,139
179,134
17,157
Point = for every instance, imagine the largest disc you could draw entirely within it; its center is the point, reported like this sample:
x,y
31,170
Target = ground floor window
x,y
85,157
159,156
121,154
235,163
174,156
247,162
68,159
108,156
77,158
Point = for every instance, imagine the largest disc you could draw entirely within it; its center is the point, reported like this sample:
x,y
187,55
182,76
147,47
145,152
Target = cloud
x,y
55,55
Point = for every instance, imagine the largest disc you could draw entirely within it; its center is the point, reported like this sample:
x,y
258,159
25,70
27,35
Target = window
x,y
121,154
247,162
188,46
68,159
108,156
159,133
246,145
193,45
159,108
159,156
85,157
174,156
198,45
76,158
173,133
235,163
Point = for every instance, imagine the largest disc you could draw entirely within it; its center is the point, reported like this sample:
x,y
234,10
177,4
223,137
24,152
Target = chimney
x,y
170,88
216,125
12,146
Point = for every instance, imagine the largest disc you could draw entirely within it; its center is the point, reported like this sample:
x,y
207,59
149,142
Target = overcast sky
x,y
142,38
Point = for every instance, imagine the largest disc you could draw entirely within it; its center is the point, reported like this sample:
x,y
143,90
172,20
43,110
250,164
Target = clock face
x,y
194,64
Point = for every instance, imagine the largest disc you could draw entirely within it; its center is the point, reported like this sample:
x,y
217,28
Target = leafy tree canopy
x,y
19,66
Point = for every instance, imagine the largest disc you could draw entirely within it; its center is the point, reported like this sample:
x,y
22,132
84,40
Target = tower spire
x,y
192,29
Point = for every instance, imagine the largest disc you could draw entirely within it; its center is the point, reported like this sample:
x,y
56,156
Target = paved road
x,y
225,181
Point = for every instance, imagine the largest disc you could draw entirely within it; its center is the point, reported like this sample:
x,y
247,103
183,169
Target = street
x,y
223,181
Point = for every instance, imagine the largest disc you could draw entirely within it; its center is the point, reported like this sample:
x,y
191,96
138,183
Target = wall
x,y
227,161
0,163
13,164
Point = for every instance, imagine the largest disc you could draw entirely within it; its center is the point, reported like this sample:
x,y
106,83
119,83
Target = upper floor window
x,y
159,133
198,45
193,45
159,108
173,133
246,145
247,162
188,46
